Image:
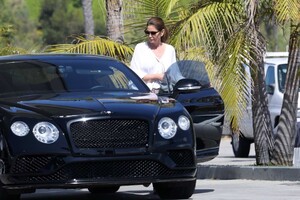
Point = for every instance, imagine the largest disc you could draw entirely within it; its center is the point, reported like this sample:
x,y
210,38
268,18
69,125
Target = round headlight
x,y
184,122
167,128
45,132
20,128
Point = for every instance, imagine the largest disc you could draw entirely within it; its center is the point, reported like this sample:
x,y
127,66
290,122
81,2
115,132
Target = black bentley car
x,y
82,121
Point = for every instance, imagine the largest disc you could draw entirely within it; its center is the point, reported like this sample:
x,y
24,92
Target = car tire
x,y
240,145
175,190
4,195
104,189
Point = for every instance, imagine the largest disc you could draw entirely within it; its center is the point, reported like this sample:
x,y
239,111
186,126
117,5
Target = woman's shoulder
x,y
142,45
169,47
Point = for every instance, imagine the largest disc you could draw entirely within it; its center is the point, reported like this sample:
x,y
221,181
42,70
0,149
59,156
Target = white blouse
x,y
145,62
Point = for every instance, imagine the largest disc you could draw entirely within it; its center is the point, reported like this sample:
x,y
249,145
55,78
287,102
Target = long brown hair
x,y
159,24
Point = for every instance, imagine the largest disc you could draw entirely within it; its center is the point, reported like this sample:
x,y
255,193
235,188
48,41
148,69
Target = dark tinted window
x,y
67,75
282,69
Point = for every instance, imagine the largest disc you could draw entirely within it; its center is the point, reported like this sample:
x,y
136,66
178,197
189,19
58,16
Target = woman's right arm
x,y
153,77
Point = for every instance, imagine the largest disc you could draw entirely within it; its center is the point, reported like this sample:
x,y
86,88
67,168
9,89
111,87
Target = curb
x,y
223,172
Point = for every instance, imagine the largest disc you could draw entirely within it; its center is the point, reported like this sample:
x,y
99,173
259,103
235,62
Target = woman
x,y
152,58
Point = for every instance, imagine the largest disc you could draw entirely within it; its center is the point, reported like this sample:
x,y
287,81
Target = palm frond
x,y
235,87
199,54
205,27
139,11
287,10
97,45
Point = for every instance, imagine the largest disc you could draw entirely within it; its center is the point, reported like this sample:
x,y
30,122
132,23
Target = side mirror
x,y
186,85
270,89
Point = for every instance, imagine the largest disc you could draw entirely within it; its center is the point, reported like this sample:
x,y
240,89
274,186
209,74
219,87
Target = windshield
x,y
28,77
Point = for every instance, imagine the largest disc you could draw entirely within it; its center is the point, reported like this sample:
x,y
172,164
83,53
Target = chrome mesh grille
x,y
110,133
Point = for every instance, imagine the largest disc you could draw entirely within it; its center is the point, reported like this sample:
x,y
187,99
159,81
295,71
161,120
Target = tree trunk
x,y
286,134
114,22
262,126
88,17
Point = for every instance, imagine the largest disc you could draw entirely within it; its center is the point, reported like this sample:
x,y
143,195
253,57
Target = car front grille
x,y
182,158
31,164
110,133
105,171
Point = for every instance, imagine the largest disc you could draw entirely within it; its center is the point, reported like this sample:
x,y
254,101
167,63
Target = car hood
x,y
70,104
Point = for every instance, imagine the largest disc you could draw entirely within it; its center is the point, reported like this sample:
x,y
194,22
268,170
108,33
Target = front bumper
x,y
65,171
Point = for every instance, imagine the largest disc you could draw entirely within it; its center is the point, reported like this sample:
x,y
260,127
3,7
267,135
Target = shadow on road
x,y
71,194
201,191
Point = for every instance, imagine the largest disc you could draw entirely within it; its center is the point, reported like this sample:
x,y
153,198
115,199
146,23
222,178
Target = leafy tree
x,y
16,14
6,35
5,42
276,35
111,45
56,21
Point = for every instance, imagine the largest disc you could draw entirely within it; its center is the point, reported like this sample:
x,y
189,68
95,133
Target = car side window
x,y
270,76
282,70
184,69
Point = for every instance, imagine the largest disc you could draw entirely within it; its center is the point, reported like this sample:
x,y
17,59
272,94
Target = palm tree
x,y
262,129
114,20
88,17
288,11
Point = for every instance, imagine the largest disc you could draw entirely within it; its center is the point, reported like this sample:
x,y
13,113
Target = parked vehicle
x,y
275,76
83,121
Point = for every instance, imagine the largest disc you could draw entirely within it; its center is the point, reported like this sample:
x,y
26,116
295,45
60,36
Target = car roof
x,y
52,56
276,61
276,58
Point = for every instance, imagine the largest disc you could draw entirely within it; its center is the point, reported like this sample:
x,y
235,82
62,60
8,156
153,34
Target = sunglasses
x,y
151,32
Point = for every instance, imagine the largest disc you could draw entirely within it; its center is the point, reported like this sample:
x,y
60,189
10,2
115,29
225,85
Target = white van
x,y
275,74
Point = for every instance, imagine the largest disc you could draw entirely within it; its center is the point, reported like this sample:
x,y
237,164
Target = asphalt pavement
x,y
207,189
225,167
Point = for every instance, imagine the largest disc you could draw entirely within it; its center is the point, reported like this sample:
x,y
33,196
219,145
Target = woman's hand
x,y
160,76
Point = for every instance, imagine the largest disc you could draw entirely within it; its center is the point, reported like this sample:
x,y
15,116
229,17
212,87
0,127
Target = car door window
x,y
282,69
270,76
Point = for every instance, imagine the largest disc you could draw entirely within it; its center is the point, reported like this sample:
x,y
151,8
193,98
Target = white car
x,y
275,75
